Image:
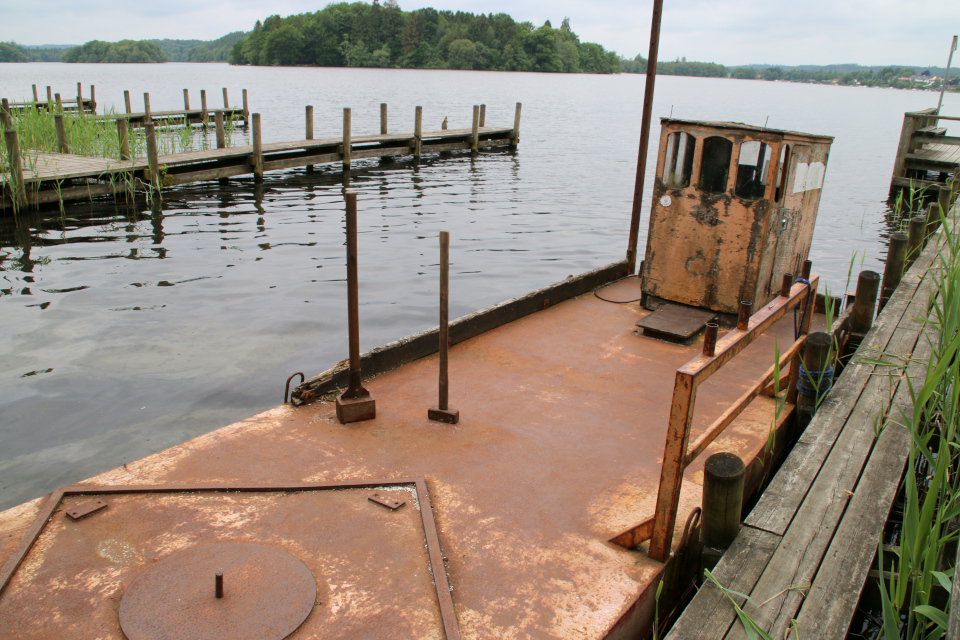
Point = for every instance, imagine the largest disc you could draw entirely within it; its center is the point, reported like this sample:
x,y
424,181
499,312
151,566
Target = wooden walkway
x,y
805,551
924,149
53,177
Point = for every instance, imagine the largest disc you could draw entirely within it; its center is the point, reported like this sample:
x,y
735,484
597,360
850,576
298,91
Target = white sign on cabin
x,y
808,177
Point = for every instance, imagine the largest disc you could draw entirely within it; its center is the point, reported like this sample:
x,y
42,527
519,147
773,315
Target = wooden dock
x,y
926,155
804,553
50,178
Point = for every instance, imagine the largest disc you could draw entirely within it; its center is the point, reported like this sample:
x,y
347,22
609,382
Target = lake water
x,y
125,329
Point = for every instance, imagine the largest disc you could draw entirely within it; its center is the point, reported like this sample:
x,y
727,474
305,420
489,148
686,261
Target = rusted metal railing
x,y
678,453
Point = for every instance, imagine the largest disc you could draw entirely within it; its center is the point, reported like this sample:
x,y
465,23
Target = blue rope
x,y
797,326
815,384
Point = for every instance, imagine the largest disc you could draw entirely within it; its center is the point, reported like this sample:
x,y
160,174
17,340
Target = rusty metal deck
x,y
559,445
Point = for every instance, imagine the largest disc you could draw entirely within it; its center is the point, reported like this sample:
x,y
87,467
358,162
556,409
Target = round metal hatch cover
x,y
267,594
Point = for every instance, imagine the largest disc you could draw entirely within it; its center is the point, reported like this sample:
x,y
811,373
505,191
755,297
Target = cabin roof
x,y
745,127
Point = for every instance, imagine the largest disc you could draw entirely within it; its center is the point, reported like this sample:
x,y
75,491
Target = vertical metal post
x,y
221,134
123,138
383,118
475,131
710,339
953,47
61,133
644,136
743,318
442,412
893,271
355,404
19,194
257,149
126,101
418,133
483,115
346,138
786,285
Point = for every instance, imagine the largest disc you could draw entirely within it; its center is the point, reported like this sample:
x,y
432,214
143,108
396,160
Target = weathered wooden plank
x,y
300,161
710,614
381,152
207,174
832,600
780,501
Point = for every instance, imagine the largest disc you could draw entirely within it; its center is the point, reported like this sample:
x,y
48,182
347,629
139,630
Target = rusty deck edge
x,y
448,614
419,345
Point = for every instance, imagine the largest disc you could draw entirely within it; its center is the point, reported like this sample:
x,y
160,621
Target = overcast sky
x,y
870,32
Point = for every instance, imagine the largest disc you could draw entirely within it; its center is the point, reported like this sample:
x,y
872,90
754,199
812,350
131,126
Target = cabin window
x,y
782,173
752,170
678,163
715,164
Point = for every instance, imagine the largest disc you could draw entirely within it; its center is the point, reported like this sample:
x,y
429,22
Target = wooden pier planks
x,y
212,164
805,550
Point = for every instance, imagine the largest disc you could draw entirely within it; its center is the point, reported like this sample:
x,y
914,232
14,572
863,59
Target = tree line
x,y
123,51
372,35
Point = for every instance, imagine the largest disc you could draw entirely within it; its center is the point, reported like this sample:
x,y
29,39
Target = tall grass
x,y
932,483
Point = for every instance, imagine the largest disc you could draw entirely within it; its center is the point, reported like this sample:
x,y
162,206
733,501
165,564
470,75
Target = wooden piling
x,y
483,115
915,238
58,104
257,150
61,133
893,271
36,96
722,507
861,318
417,132
443,125
80,98
221,134
19,189
186,100
5,118
933,218
226,101
49,98
93,99
816,359
126,101
515,138
146,107
475,132
203,106
355,404
383,118
943,198
123,137
153,158
246,108
309,127
442,412
346,138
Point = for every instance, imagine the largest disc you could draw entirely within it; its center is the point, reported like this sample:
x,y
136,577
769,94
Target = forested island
x,y
373,35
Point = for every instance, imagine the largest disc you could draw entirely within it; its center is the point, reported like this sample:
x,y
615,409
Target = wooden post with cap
x,y
355,404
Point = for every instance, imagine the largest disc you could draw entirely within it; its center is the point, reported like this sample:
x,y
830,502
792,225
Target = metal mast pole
x,y
953,47
644,135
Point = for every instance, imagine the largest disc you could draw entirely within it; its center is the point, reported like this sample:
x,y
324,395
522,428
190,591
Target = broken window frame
x,y
715,168
747,185
782,170
678,159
